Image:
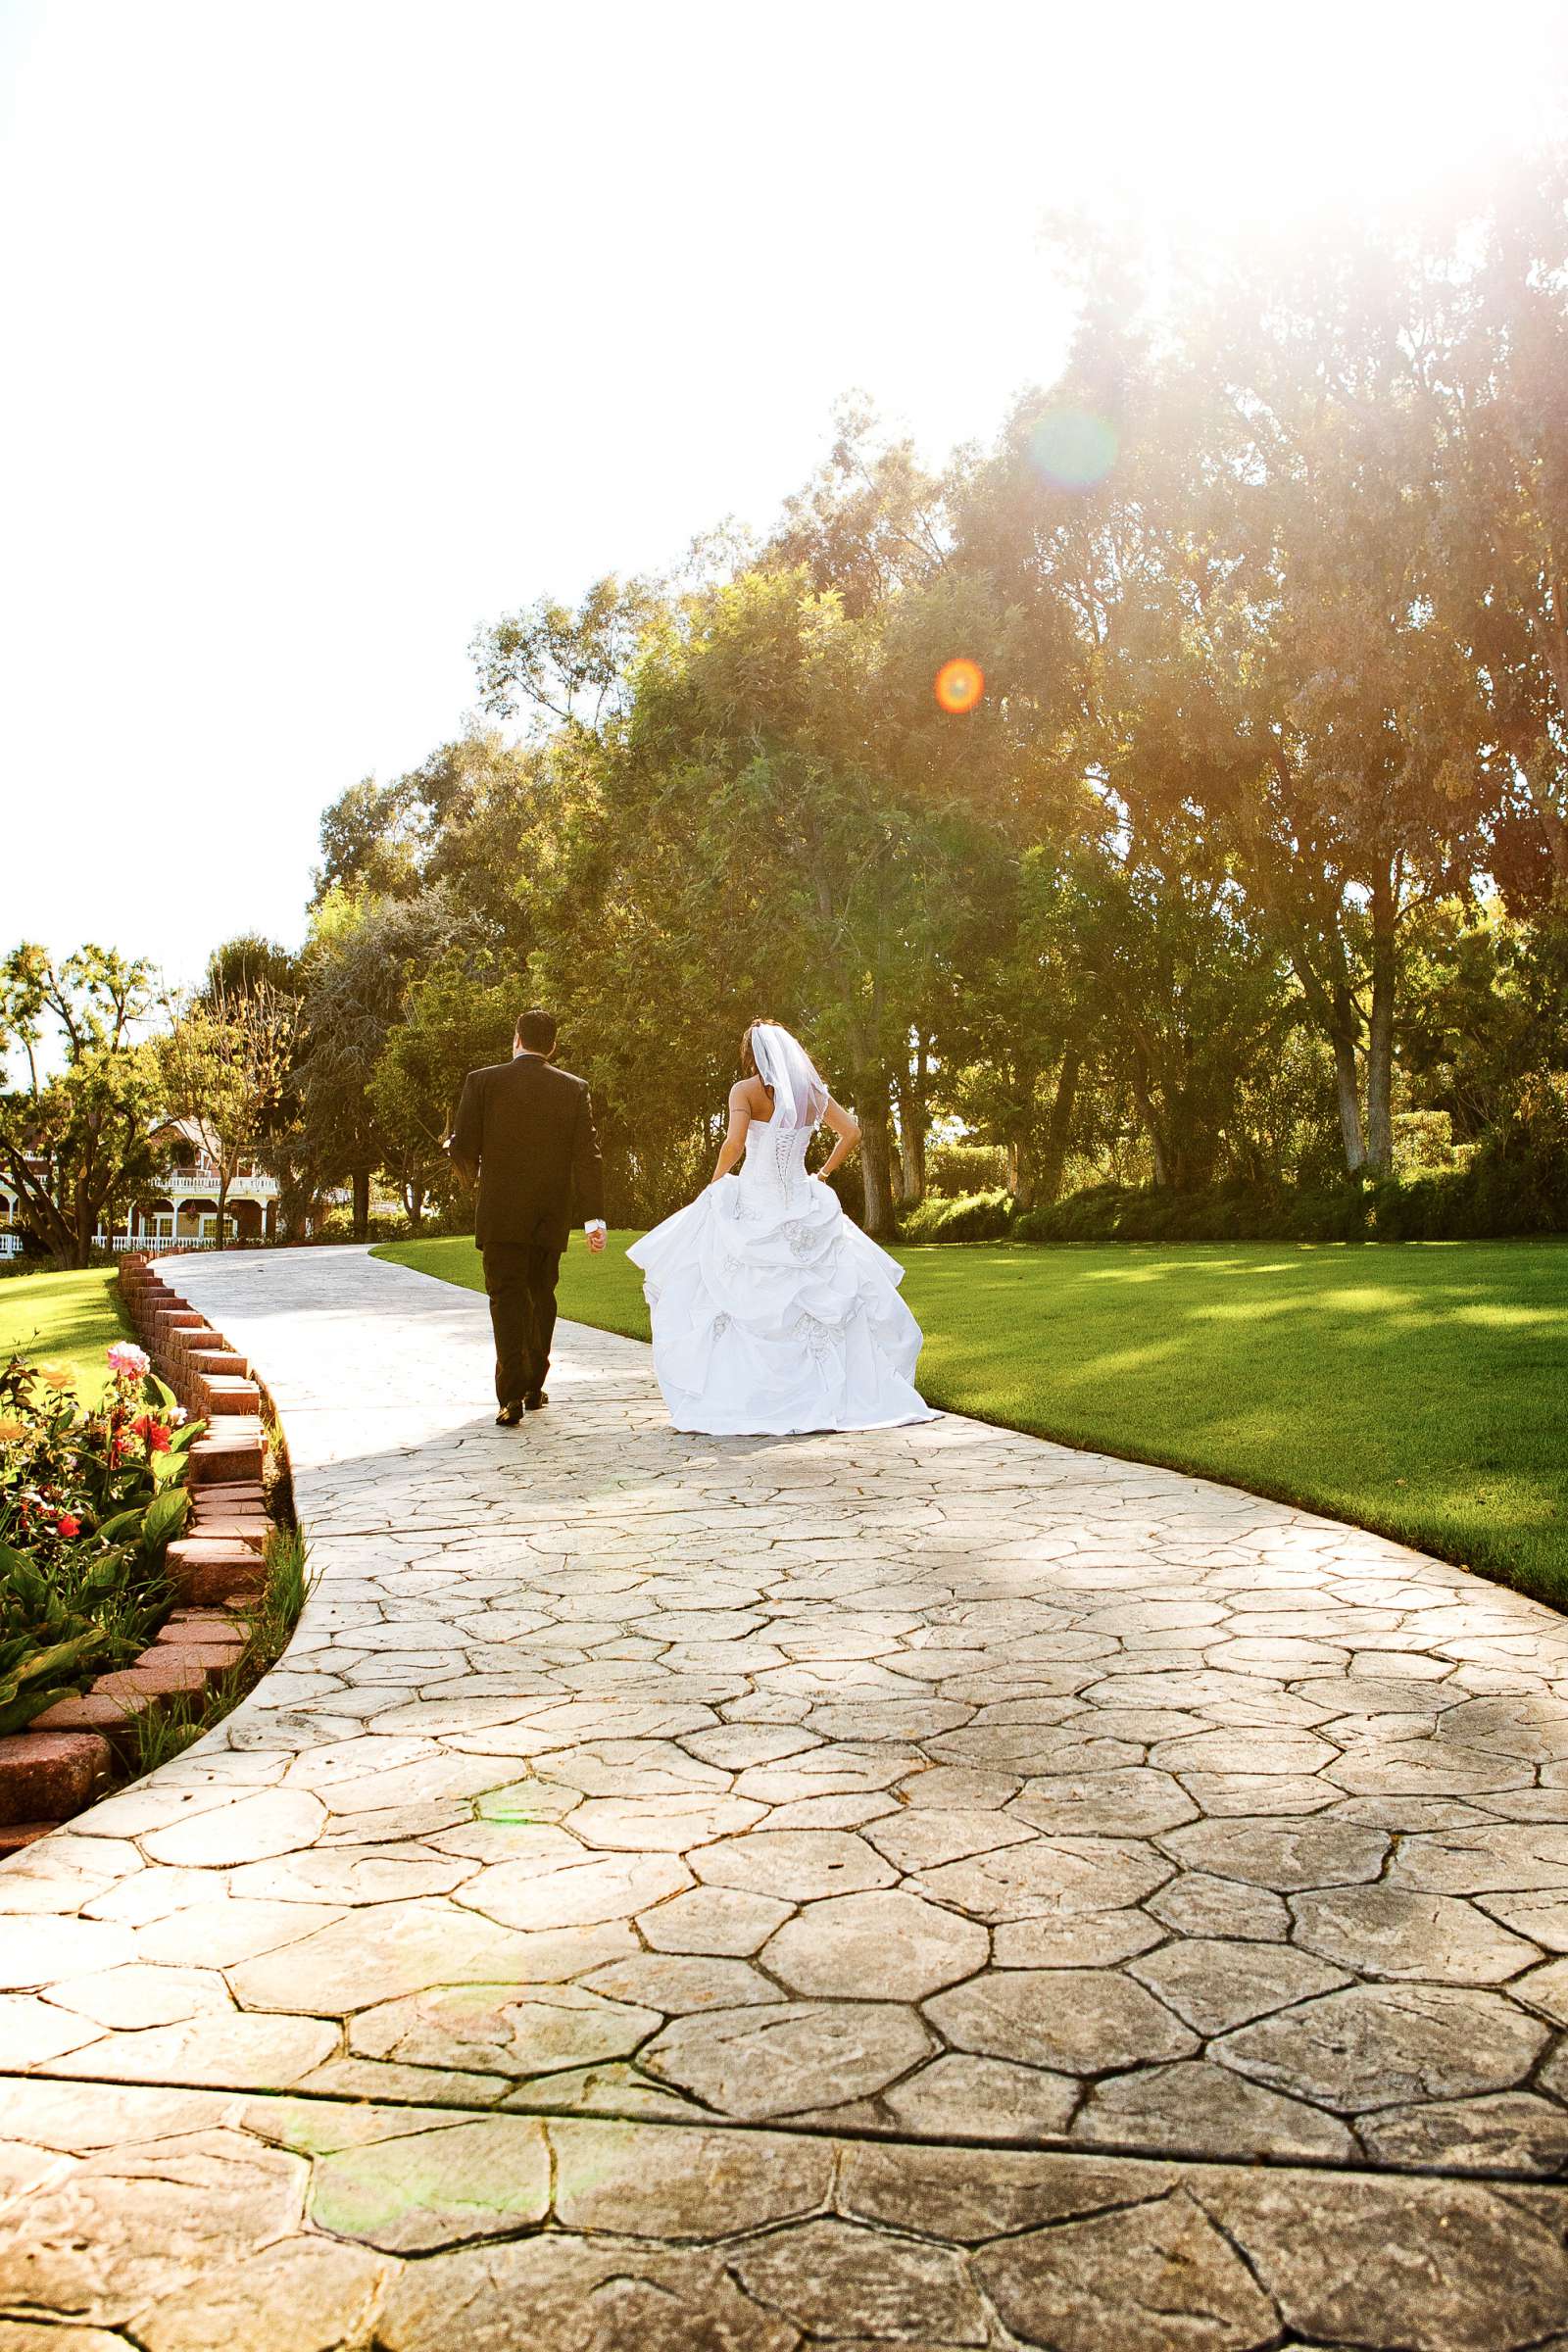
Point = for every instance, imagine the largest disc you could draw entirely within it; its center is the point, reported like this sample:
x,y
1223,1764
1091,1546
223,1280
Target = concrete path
x,y
931,1887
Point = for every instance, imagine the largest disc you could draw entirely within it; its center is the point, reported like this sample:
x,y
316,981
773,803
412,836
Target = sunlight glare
x,y
959,684
1073,448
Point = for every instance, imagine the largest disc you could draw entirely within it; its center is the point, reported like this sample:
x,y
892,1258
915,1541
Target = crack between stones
x,y
1085,2152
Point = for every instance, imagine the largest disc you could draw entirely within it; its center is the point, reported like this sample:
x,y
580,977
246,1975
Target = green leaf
x,y
165,1516
39,1680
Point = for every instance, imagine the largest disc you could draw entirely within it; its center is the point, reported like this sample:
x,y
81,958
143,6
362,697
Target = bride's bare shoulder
x,y
751,1095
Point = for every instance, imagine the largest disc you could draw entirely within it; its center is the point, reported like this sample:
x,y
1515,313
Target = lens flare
x,y
959,684
1073,449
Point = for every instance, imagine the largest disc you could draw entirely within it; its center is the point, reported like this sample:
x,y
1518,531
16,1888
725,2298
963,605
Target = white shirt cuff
x,y
595,1225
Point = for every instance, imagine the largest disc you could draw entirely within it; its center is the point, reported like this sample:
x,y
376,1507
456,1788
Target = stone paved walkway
x,y
931,1886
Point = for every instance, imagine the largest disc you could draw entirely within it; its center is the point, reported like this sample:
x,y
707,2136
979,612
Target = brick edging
x,y
64,1758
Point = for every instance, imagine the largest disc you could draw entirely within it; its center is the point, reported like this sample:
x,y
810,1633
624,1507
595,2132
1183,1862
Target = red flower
x,y
158,1439
67,1524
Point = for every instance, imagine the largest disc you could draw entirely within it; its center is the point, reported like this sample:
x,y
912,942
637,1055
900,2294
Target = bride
x,y
772,1313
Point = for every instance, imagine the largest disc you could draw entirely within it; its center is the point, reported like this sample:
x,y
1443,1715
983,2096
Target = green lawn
x,y
64,1319
1419,1389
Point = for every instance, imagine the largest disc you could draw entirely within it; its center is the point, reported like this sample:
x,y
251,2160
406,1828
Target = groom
x,y
526,1131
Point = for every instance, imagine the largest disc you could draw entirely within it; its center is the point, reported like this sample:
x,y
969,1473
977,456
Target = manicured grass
x,y
1419,1389
63,1319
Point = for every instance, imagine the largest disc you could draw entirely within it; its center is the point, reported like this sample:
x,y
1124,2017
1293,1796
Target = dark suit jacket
x,y
529,1130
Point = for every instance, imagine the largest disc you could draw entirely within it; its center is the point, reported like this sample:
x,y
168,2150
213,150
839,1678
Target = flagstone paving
x,y
929,1886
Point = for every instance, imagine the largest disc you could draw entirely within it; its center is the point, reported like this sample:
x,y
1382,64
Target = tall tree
x,y
1499,381
226,1066
80,1100
455,1018
362,960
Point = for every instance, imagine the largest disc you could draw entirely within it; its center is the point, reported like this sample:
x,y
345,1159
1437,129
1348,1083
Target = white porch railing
x,y
155,1244
158,1244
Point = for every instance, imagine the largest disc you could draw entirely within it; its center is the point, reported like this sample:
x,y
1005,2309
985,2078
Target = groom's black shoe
x,y
509,1416
534,1402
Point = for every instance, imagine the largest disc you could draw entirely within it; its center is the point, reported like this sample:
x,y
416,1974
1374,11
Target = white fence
x,y
158,1244
11,1243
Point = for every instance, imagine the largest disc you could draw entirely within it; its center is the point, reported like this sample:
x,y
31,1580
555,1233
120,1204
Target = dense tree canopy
x,y
1254,845
1245,864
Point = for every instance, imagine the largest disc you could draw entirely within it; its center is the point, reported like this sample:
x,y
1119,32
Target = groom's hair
x,y
536,1030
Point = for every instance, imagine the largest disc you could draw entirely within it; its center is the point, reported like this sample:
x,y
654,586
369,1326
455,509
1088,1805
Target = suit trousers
x,y
519,1279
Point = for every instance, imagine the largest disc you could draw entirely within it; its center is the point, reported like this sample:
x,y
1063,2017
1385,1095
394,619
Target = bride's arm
x,y
847,1127
734,1144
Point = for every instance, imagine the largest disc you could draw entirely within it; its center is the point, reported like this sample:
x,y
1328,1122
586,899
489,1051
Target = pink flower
x,y
67,1524
127,1361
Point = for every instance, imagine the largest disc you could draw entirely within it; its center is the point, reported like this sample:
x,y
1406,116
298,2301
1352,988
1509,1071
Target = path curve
x,y
931,1830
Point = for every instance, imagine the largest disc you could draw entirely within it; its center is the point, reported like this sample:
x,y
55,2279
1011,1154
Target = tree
x,y
81,1100
1267,589
284,1146
797,781
363,958
1503,586
1236,625
565,668
226,1066
371,840
454,1020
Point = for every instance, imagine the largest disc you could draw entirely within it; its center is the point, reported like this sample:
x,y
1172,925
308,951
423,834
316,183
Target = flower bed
x,y
89,1502
142,1585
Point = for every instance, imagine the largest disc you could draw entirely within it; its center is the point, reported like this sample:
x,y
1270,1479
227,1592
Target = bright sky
x,y
337,327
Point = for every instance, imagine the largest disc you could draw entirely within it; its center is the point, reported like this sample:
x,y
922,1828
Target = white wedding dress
x,y
772,1313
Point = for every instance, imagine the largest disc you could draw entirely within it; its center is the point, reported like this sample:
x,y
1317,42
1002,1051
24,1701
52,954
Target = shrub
x,y
1532,1145
957,1169
1516,1184
89,1503
976,1217
1423,1143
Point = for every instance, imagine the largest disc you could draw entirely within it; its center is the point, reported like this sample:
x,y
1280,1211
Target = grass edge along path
x,y
165,1732
1418,1388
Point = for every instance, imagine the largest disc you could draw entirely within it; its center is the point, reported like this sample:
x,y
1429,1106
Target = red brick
x,y
95,1713
237,1495
155,1672
219,1394
202,1625
223,1583
250,1527
204,1361
21,1833
215,1662
186,1346
216,1644
207,1572
227,1455
50,1775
